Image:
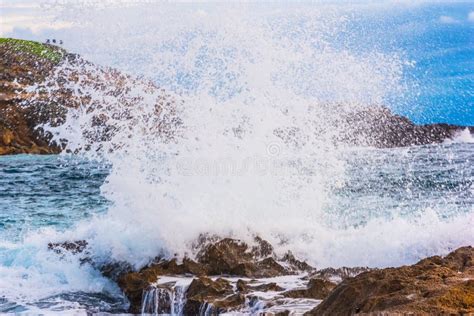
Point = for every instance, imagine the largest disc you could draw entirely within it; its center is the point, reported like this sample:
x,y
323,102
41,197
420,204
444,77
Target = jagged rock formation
x,y
433,286
227,275
226,257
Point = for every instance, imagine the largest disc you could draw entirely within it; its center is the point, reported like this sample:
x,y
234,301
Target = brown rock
x,y
204,291
242,286
229,303
434,285
227,256
295,264
262,248
317,289
133,285
204,288
192,267
7,137
21,68
268,267
233,257
221,257
338,274
35,90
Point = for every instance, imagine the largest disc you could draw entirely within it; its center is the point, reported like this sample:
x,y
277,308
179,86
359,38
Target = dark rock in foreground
x,y
228,276
224,258
433,286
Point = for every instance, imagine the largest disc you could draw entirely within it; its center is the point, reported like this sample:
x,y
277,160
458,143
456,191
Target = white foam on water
x,y
31,274
257,301
464,136
261,94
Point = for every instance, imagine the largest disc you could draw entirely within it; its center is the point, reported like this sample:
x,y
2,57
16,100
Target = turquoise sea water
x,y
57,192
40,191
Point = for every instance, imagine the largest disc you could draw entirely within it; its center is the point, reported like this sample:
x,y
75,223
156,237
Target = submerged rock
x,y
433,286
73,247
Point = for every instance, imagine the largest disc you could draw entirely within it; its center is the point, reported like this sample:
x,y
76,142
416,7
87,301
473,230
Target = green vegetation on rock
x,y
49,52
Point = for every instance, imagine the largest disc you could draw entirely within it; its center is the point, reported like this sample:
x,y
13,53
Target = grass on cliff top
x,y
49,52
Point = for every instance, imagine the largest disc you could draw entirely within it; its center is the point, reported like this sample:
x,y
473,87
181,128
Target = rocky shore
x,y
39,82
22,65
434,286
230,276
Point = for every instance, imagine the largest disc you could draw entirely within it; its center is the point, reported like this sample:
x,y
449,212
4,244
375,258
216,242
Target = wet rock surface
x,y
232,257
317,289
433,286
217,294
225,275
223,258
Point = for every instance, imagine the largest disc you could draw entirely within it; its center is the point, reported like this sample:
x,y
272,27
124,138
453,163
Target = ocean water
x,y
398,205
259,91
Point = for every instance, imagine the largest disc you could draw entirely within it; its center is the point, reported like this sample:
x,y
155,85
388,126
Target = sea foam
x,y
259,95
